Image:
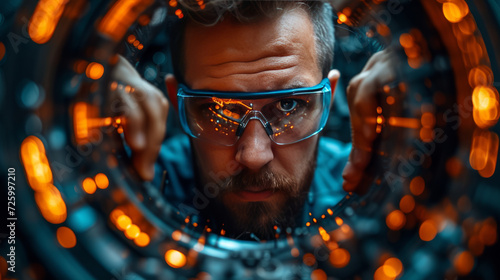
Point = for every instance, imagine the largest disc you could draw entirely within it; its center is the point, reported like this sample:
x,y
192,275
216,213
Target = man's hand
x,y
144,109
362,94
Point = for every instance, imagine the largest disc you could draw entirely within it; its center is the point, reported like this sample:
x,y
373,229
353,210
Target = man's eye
x,y
286,105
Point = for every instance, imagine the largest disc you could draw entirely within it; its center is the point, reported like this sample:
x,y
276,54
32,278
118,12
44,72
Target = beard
x,y
250,219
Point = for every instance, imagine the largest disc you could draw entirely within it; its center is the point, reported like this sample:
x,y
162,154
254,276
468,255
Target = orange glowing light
x,y
121,16
142,240
101,180
488,232
176,235
380,274
36,164
454,167
383,29
123,222
390,100
455,11
66,237
51,205
324,234
318,274
428,230
339,221
395,220
89,186
80,121
179,13
484,152
340,257
463,263
132,232
94,70
485,101
406,40
295,252
417,185
392,267
309,259
330,212
428,120
2,50
475,245
113,216
407,203
172,3
45,19
342,17
175,258
144,20
404,122
426,134
131,38
480,76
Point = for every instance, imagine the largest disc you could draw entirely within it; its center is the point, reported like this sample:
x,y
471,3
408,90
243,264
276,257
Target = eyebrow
x,y
296,84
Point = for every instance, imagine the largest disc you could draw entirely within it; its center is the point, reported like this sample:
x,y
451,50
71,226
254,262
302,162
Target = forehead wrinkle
x,y
259,65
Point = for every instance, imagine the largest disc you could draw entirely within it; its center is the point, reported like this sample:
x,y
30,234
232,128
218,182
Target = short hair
x,y
247,11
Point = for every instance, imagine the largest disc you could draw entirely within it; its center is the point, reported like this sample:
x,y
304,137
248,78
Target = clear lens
x,y
287,119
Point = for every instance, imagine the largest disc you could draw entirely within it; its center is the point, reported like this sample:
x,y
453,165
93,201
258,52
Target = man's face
x,y
261,184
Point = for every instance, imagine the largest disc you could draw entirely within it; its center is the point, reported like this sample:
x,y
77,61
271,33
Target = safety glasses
x,y
288,116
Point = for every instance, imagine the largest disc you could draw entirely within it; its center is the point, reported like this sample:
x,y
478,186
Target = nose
x,y
254,146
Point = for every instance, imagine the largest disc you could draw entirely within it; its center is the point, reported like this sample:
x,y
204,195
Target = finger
x,y
133,123
155,108
363,121
374,59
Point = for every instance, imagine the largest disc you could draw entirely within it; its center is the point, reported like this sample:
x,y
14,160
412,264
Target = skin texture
x,y
270,54
245,58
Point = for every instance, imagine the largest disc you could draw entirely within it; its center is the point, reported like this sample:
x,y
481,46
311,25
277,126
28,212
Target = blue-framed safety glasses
x,y
288,116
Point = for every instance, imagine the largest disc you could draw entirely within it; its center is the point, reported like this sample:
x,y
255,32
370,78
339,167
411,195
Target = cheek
x,y
296,158
214,161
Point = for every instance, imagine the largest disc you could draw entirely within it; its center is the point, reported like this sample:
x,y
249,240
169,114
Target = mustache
x,y
264,178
